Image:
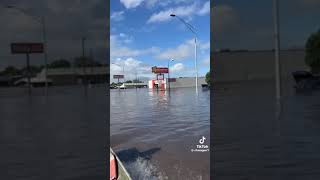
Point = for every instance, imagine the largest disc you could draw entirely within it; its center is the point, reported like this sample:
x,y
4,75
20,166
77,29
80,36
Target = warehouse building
x,y
256,65
181,82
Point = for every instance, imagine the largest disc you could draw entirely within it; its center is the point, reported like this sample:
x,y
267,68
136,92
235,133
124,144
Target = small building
x,y
181,82
73,76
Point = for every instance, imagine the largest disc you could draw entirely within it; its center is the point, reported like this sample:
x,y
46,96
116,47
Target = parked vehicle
x,y
306,80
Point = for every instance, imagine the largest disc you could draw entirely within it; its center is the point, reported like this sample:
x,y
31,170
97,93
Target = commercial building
x,y
256,65
181,82
69,76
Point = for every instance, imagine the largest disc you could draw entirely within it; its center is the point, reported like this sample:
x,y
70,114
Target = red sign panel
x,y
26,48
118,76
159,70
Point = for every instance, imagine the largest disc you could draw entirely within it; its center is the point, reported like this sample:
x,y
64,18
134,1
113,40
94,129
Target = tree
x,y
312,50
208,78
61,63
86,62
33,70
136,81
129,81
11,71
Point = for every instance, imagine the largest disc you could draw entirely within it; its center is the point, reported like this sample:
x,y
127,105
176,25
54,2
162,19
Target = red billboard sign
x,y
26,48
159,70
118,76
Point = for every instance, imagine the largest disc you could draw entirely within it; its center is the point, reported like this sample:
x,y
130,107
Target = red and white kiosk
x,y
160,82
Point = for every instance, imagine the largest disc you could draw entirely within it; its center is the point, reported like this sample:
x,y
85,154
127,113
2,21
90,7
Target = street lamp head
x,y
173,15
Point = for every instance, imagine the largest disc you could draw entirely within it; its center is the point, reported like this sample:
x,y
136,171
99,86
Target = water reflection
x,y
174,122
251,143
58,137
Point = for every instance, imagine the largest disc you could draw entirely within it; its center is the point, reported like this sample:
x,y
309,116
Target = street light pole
x,y
123,72
169,74
192,29
195,62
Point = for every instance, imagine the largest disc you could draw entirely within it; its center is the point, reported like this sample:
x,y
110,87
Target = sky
x,y
66,23
248,24
142,35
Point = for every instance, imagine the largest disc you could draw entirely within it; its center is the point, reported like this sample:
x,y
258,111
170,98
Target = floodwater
x,y
61,137
251,143
153,132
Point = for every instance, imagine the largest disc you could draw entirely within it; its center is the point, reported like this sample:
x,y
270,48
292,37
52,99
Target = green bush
x,y
312,49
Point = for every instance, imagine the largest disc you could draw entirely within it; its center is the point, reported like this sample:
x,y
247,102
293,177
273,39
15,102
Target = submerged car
x,y
306,80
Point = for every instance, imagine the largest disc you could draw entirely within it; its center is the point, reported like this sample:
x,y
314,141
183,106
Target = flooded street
x,y
250,143
56,138
153,132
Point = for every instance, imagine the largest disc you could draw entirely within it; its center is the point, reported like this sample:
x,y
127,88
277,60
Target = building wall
x,y
255,65
187,82
72,76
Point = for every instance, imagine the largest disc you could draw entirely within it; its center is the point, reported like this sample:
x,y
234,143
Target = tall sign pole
x,y
44,36
28,73
277,48
27,49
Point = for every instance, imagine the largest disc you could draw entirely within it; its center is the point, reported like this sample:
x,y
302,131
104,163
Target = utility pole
x,y
83,59
44,34
277,58
277,49
28,74
169,74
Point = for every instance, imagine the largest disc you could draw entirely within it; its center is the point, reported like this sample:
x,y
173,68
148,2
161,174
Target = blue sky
x,y
142,35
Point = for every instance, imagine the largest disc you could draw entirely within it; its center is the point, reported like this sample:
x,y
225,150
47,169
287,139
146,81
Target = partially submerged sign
x,y
118,76
159,70
26,48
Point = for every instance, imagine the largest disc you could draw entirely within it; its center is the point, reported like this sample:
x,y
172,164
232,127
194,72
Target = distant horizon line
x,y
226,50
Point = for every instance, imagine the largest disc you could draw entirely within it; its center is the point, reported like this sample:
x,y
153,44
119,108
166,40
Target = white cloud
x,y
118,47
177,68
125,38
179,53
182,11
132,67
205,9
205,46
151,3
117,16
182,51
131,3
225,17
206,61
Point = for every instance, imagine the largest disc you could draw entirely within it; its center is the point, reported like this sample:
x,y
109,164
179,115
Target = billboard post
x,y
118,77
27,48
